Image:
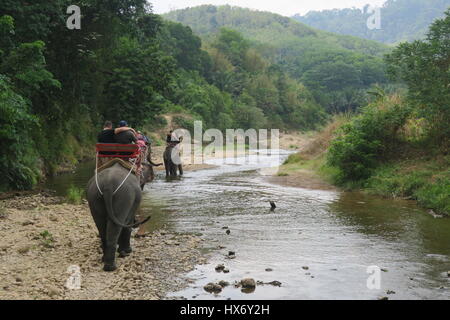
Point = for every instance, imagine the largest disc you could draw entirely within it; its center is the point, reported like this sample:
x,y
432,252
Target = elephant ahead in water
x,y
114,214
170,154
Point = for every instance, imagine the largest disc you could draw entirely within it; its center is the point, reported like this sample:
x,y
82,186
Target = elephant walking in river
x,y
114,211
172,161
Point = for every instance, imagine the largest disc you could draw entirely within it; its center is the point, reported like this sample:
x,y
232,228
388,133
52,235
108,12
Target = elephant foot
x,y
109,267
124,252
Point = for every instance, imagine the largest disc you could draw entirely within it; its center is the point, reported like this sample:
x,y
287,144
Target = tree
x,y
424,66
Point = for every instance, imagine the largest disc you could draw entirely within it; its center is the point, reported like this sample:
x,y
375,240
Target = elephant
x,y
114,214
171,168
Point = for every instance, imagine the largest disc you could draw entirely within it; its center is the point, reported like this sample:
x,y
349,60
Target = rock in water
x,y
212,288
228,231
273,205
275,283
220,267
248,283
390,292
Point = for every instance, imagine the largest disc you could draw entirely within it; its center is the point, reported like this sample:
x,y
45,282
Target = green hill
x,y
337,69
268,28
401,20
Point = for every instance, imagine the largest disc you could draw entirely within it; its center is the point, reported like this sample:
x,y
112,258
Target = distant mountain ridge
x,y
401,20
265,27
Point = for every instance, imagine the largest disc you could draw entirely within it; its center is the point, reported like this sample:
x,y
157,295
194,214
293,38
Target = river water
x,y
319,244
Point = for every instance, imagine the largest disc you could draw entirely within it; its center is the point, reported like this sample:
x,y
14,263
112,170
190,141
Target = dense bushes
x,y
17,156
367,139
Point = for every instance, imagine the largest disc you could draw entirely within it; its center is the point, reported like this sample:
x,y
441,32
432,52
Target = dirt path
x,y
42,237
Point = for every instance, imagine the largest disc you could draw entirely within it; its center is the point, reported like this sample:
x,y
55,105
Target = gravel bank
x,y
41,237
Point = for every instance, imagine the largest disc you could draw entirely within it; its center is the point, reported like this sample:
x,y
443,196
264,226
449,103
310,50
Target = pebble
x,y
223,283
213,288
248,283
305,268
220,268
269,270
390,292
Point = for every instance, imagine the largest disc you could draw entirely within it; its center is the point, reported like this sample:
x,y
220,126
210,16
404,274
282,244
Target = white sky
x,y
284,7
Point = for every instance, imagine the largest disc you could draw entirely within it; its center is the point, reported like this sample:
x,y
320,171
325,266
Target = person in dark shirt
x,y
125,136
108,133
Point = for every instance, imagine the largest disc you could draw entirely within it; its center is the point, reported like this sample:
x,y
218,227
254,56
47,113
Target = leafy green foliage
x,y
367,140
74,195
17,156
425,67
139,74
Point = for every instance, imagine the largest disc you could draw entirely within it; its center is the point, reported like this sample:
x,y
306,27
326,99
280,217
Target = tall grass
x,y
74,195
428,183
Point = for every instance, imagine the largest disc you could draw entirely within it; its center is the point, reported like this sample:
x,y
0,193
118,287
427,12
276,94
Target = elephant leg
x,y
112,237
99,216
180,167
125,235
124,243
173,169
167,166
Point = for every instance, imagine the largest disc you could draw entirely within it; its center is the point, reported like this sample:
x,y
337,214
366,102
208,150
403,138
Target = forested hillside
x,y
399,144
59,85
401,20
337,69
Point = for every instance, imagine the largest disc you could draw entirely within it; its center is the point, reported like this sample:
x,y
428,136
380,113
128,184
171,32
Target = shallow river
x,y
319,244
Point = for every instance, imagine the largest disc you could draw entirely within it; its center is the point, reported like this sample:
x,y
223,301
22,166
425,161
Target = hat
x,y
123,124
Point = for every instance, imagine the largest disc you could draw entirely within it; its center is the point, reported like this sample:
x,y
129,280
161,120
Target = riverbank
x,y
418,174
42,237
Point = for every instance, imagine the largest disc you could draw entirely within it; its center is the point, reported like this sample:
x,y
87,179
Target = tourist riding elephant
x,y
172,154
114,212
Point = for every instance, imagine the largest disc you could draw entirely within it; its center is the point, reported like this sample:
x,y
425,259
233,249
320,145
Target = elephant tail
x,y
108,197
156,164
